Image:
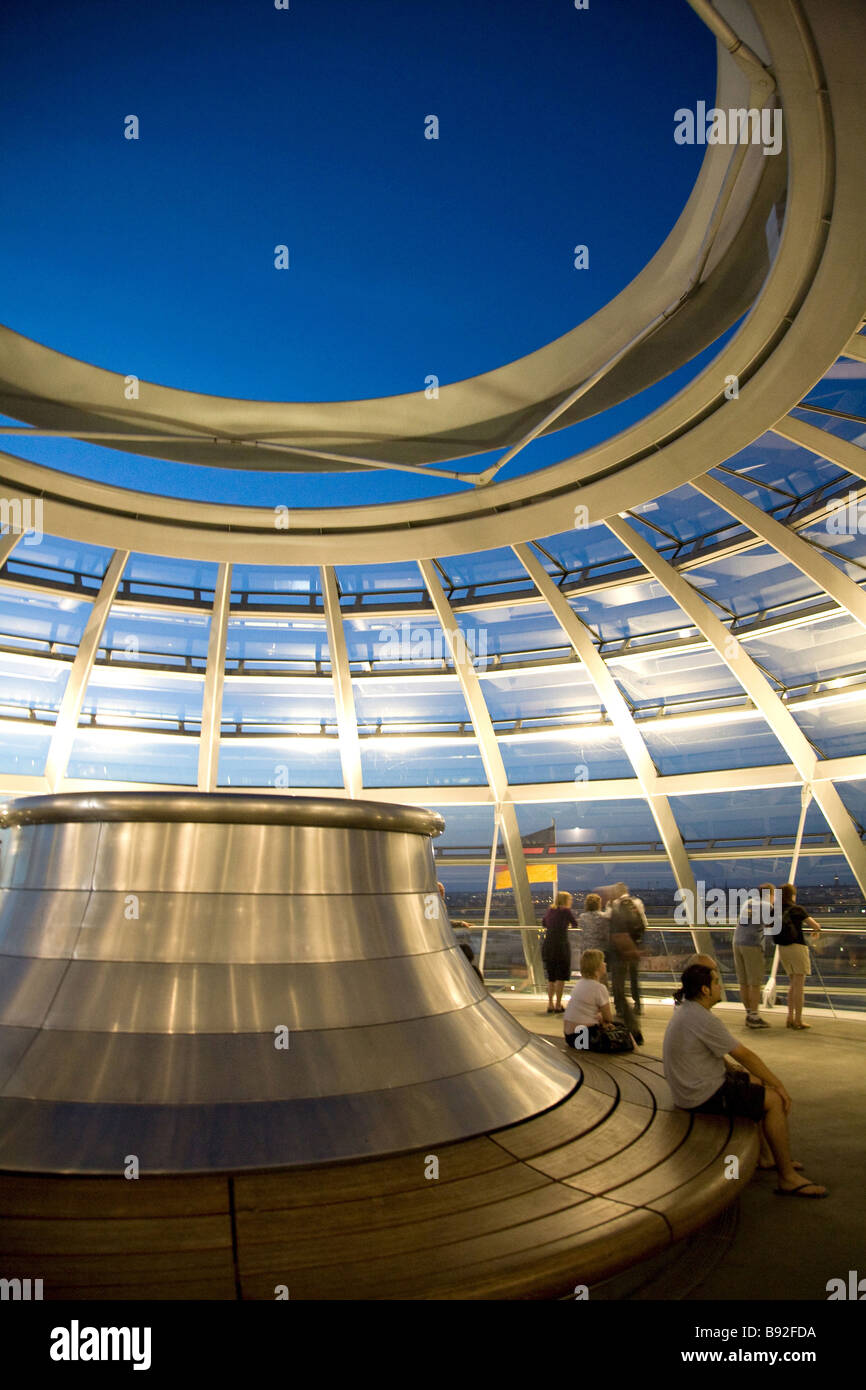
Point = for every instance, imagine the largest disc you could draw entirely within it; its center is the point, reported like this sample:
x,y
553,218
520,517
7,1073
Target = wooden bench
x,y
613,1174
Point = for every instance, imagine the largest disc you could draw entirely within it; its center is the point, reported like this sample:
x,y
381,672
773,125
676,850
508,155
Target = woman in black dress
x,y
556,951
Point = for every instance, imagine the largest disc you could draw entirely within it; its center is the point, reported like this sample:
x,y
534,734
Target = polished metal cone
x,y
222,982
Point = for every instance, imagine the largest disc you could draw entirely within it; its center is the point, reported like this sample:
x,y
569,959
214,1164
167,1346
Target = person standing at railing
x,y
556,950
627,927
594,925
748,946
794,953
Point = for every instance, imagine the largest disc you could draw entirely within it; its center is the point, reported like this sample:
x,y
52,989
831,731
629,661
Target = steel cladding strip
x,y
491,757
66,725
347,723
211,715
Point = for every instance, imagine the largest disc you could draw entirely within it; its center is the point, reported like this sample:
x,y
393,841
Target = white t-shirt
x,y
695,1043
587,997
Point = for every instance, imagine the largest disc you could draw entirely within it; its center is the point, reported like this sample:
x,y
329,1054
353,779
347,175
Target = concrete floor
x,y
784,1248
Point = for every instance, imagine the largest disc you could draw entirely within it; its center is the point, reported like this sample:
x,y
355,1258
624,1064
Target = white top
x,y
587,997
695,1043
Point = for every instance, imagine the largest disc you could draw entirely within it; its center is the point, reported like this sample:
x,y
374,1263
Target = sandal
x,y
800,1191
801,1027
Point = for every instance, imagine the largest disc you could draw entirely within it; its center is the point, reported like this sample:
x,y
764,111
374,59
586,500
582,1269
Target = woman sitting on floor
x,y
588,1019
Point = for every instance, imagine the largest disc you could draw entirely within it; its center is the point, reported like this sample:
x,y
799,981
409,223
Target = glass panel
x,y
837,729
489,567
817,651
725,741
527,628
583,547
258,641
143,695
32,682
652,881
504,959
417,644
253,701
280,763
843,388
547,694
110,755
632,610
431,701
60,558
23,749
843,530
774,469
421,763
588,824
388,579
163,577
465,895
685,514
854,796
745,815
752,581
578,757
37,619
466,827
273,582
825,882
135,634
650,681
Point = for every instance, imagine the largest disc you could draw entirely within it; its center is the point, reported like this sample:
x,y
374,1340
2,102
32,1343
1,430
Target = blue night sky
x,y
306,127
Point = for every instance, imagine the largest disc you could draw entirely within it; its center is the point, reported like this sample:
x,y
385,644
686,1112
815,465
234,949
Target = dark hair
x,y
467,950
789,894
694,978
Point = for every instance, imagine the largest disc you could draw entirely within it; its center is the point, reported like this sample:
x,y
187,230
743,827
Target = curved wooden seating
x,y
613,1174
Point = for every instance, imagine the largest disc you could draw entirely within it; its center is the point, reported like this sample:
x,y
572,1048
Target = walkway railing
x,y
837,981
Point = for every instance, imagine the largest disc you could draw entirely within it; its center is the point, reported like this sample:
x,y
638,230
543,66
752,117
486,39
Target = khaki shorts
x,y
795,960
749,963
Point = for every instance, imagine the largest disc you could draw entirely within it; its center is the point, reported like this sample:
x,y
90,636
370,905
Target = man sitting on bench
x,y
695,1048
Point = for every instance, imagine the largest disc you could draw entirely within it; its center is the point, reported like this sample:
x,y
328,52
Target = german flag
x,y
538,843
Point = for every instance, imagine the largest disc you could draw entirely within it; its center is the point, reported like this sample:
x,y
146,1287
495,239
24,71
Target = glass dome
x,y
619,637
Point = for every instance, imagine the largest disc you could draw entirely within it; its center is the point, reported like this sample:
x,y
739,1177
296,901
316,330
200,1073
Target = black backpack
x,y
625,917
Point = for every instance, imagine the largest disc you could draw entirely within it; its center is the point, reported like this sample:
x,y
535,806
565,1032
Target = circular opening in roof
x,y
429,172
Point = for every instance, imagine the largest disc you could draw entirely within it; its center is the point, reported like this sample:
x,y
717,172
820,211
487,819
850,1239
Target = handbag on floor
x,y
610,1037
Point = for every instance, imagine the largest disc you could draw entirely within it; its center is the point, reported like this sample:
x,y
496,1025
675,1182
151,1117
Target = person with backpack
x,y
794,953
627,926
